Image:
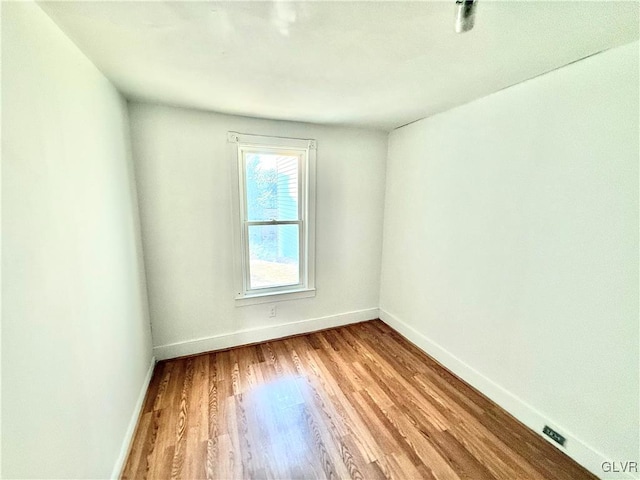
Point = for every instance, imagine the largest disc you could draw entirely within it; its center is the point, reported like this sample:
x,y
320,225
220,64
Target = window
x,y
273,209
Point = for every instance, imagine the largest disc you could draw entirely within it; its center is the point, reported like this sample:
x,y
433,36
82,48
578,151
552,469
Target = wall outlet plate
x,y
555,436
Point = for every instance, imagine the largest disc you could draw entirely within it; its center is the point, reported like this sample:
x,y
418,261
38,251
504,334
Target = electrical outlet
x,y
555,436
273,311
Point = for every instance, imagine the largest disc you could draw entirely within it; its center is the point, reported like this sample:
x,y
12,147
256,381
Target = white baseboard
x,y
133,422
261,334
582,453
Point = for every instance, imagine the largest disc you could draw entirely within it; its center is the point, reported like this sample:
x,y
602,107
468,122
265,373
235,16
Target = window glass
x,y
274,258
271,187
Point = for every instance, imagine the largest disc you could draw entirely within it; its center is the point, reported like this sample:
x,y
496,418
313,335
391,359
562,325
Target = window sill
x,y
275,297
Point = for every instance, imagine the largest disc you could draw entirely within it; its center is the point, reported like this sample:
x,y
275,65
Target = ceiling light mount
x,y
465,15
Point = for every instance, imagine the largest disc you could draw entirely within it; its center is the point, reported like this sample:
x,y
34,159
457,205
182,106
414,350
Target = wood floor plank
x,y
357,402
136,466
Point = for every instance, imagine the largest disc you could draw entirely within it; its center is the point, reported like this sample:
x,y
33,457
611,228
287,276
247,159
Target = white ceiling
x,y
373,64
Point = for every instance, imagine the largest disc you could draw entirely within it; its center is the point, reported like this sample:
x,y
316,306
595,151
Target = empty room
x,y
320,240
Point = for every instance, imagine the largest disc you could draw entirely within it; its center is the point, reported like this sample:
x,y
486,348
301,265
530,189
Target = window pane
x,y
273,255
272,187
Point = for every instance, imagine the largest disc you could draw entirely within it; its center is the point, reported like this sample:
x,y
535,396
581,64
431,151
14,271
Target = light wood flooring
x,y
355,402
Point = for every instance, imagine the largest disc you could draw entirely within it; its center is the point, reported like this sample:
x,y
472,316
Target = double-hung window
x,y
274,216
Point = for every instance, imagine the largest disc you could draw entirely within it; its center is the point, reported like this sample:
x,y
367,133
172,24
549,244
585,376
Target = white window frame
x,y
305,149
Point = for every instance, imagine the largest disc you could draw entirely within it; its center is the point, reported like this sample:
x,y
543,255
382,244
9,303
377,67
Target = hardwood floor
x,y
355,402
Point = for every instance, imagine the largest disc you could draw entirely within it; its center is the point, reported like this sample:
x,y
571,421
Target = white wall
x,y
76,344
182,170
511,245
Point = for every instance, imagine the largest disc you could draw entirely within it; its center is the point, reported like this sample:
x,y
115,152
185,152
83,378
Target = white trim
x,y
133,423
269,141
235,214
275,297
582,453
261,334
